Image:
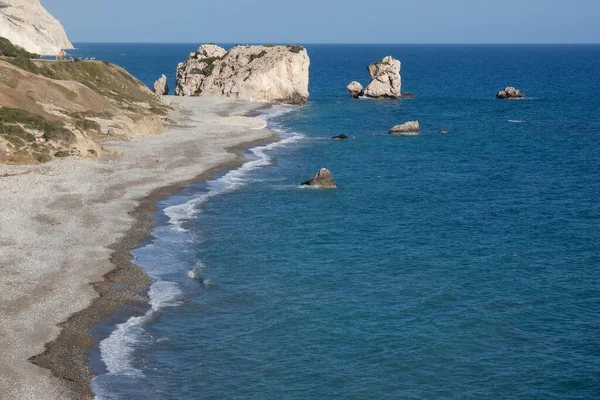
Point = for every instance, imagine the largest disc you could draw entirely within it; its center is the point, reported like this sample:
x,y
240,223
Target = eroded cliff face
x,y
27,24
255,73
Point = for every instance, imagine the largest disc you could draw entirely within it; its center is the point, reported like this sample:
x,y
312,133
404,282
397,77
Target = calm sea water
x,y
458,266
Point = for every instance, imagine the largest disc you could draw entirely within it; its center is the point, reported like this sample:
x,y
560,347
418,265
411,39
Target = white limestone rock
x,y
385,79
255,73
27,24
409,128
161,86
355,89
510,93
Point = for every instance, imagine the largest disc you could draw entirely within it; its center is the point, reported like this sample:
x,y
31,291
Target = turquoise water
x,y
458,266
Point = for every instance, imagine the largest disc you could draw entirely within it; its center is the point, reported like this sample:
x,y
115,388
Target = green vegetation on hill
x,y
7,49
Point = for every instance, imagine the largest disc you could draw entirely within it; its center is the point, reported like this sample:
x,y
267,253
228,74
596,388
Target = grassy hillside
x,y
59,108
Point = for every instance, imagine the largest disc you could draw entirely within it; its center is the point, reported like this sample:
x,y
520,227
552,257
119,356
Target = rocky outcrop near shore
x,y
510,93
323,179
255,73
161,86
355,89
27,24
409,128
385,79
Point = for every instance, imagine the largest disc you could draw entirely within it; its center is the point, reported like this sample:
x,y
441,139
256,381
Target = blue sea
x,y
445,266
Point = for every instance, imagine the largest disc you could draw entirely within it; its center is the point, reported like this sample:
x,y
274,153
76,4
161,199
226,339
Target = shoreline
x,y
66,355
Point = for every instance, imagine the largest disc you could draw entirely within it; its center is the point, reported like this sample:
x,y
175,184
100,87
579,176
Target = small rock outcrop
x,y
385,79
322,179
442,131
256,73
342,136
408,128
355,89
161,86
27,24
509,93
408,95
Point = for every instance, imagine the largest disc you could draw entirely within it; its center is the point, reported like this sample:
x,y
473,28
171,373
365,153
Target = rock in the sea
x,y
342,136
442,131
385,79
161,86
256,73
27,24
355,89
407,95
322,179
408,128
509,93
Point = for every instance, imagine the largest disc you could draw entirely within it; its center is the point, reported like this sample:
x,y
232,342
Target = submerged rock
x,y
322,179
408,128
385,79
407,95
509,93
256,73
355,89
161,86
342,136
442,131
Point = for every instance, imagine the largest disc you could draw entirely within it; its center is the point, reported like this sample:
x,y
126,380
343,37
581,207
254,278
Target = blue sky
x,y
330,21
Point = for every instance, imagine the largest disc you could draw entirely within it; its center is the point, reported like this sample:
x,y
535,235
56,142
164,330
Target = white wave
x,y
180,213
116,350
516,121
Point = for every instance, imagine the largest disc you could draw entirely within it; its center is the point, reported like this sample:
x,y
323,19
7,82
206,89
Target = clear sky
x,y
330,21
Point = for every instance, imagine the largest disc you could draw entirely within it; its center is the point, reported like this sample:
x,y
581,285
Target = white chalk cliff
x,y
255,73
27,24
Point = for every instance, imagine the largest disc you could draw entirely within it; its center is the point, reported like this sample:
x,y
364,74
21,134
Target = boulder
x,y
322,179
509,93
355,89
342,136
408,128
385,79
255,73
161,86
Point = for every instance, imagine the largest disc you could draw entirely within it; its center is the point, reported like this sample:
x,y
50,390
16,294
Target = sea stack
x,y
161,86
255,73
27,24
385,79
323,179
409,128
510,93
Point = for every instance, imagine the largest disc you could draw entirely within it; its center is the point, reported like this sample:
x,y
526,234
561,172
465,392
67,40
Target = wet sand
x,y
67,229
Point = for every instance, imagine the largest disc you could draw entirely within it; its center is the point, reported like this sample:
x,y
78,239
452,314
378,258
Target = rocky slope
x,y
256,73
27,24
65,108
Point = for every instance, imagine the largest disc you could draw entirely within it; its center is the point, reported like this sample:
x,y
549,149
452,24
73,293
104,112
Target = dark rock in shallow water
x,y
407,95
322,179
509,93
342,136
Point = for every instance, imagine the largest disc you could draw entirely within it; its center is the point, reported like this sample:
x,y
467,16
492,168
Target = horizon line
x,y
364,43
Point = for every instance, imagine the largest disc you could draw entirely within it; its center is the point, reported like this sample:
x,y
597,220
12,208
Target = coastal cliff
x,y
65,108
27,24
256,73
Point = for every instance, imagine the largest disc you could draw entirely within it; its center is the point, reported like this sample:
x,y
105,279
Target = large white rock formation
x,y
255,73
385,79
27,24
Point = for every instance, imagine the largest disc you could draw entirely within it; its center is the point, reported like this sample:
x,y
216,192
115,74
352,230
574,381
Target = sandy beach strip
x,y
67,228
